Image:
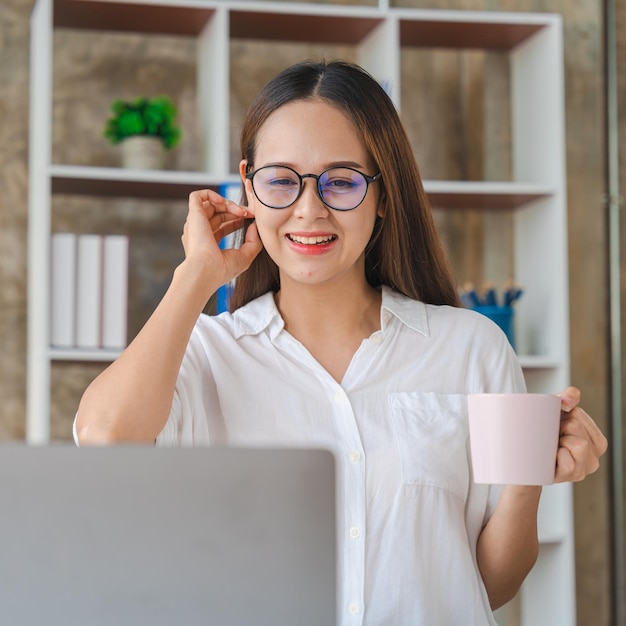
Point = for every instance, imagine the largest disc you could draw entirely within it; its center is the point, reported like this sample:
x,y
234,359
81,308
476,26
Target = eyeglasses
x,y
339,188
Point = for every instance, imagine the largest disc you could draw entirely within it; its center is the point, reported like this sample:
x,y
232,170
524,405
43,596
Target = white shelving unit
x,y
536,195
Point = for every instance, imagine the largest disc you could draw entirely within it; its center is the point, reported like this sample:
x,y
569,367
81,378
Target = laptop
x,y
140,535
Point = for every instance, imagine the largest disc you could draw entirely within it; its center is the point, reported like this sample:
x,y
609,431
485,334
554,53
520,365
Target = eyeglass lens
x,y
340,188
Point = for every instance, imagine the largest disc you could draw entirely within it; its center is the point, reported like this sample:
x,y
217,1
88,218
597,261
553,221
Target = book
x,y
88,291
114,291
63,290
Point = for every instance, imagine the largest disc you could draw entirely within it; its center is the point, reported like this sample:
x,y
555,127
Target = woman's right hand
x,y
210,218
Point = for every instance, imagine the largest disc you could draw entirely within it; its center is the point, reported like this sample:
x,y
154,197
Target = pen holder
x,y
503,316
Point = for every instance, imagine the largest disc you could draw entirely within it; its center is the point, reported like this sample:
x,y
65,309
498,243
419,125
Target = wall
x,y
93,70
13,211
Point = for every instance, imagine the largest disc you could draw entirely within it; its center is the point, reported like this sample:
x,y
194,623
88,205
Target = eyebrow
x,y
325,166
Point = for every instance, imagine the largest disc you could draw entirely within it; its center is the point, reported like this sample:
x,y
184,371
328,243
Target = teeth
x,y
311,240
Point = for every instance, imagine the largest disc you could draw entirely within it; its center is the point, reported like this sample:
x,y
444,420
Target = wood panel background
x,y
459,129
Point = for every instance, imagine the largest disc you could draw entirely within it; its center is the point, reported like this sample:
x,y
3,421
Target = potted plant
x,y
145,128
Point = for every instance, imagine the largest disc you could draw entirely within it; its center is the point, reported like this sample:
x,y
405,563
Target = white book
x,y
89,291
115,291
63,290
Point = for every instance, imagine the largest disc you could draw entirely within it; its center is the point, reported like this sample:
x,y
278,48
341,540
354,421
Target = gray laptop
x,y
138,535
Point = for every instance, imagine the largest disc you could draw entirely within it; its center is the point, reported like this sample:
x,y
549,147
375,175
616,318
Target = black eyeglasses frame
x,y
368,180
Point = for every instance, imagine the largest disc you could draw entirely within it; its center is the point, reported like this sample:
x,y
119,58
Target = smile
x,y
310,241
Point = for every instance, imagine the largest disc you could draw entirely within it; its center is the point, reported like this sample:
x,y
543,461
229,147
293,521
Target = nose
x,y
309,205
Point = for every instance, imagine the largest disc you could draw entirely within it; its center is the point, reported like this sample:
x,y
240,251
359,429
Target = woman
x,y
344,332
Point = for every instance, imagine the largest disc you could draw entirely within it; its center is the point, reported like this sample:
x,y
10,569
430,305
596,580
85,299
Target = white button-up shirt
x,y
409,515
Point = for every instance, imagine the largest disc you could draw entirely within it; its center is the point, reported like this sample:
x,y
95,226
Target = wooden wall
x,y
466,96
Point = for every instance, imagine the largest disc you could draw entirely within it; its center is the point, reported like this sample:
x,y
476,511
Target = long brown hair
x,y
405,252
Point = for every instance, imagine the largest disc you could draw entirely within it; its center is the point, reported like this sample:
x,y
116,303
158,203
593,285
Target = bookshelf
x,y
379,36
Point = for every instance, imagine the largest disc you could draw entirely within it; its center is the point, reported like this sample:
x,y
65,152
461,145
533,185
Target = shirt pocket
x,y
430,430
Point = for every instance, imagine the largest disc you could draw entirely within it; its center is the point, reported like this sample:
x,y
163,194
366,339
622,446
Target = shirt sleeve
x,y
195,399
171,435
75,432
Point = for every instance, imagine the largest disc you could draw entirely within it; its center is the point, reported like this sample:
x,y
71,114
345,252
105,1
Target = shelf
x,y
83,354
460,30
313,26
119,182
551,538
187,18
535,362
483,195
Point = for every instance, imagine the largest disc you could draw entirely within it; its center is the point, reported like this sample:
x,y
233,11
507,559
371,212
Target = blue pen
x,y
470,296
512,295
490,295
465,301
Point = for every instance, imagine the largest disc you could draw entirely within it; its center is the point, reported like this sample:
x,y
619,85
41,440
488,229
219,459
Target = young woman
x,y
344,332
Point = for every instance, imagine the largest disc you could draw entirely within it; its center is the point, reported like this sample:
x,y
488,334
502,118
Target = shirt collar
x,y
411,313
261,314
258,315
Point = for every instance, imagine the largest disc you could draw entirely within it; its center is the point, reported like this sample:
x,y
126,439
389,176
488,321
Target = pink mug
x,y
514,437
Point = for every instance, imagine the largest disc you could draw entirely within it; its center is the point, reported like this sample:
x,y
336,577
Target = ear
x,y
243,170
247,184
382,205
381,210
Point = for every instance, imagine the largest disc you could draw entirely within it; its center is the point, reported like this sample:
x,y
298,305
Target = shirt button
x,y
355,532
376,339
340,396
353,608
354,456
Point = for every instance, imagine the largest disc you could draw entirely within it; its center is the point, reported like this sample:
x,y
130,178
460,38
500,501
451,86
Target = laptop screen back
x,y
138,535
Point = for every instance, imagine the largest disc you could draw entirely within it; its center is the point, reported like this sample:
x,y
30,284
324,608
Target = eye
x,y
342,181
277,178
339,183
282,182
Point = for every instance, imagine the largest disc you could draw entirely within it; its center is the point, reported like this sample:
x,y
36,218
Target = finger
x,y
580,424
252,234
576,458
212,202
239,259
570,398
228,227
567,470
202,196
252,244
219,221
222,206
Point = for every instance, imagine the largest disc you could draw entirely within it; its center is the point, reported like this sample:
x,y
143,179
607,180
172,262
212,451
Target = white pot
x,y
143,153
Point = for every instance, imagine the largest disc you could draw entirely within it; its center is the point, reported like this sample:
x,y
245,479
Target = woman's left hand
x,y
581,442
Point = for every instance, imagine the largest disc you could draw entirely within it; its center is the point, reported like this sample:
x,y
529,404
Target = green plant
x,y
155,117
